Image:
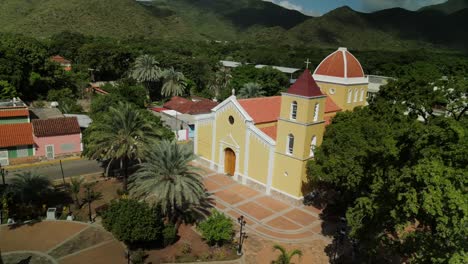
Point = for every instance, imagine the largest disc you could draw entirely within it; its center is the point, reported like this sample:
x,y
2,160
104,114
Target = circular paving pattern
x,y
67,242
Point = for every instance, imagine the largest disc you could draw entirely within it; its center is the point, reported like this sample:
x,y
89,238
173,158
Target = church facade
x,y
268,141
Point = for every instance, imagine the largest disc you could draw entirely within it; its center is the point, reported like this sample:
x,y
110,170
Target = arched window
x,y
316,112
313,145
362,95
356,93
290,146
293,110
350,95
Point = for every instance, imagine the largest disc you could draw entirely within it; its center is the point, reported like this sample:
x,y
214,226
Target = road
x,y
52,171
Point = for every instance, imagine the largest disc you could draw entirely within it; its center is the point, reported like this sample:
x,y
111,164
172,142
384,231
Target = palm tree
x,y
220,81
30,188
250,90
75,187
174,83
146,70
174,184
121,135
285,257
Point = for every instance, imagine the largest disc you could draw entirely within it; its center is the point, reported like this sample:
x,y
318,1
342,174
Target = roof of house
x,y
56,127
83,120
60,59
270,131
341,64
46,113
16,135
279,68
186,106
14,112
262,109
305,85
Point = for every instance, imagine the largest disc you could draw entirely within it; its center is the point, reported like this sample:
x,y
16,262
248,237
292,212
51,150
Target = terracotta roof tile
x,y
334,65
305,85
262,109
186,106
16,135
56,127
60,59
330,106
270,131
14,113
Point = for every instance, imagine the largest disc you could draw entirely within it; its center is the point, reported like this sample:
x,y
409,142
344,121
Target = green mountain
x,y
227,20
449,7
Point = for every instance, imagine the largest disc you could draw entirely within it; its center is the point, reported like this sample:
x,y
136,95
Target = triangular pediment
x,y
229,140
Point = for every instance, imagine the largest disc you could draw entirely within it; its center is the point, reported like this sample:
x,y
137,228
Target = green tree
x,y
251,90
7,91
146,70
75,188
168,177
285,256
217,228
122,134
174,83
29,188
132,221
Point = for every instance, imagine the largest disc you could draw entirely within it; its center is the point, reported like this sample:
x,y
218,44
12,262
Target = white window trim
x,y
350,96
289,150
356,95
362,95
6,158
292,115
313,146
22,148
316,112
53,151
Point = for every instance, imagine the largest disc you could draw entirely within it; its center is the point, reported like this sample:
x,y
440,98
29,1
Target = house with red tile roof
x,y
57,137
266,142
16,140
66,64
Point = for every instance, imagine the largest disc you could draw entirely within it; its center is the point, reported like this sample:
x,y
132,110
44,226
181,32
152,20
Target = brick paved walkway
x,y
265,215
62,242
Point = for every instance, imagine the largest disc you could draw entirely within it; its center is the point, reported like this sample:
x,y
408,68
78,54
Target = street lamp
x,y
242,234
3,172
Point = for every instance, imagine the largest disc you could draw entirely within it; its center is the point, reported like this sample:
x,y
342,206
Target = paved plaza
x,y
267,216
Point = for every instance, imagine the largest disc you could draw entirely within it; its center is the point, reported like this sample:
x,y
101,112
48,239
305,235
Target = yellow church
x,y
266,142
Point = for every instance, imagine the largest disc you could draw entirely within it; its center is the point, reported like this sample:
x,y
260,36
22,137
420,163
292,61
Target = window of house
x,y
356,93
313,145
350,95
316,112
22,152
67,147
4,157
293,110
362,95
290,148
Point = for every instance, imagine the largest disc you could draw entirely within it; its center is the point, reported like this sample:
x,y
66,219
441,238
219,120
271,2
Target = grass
x,y
30,258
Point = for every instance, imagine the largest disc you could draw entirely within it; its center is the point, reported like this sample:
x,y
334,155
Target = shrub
x,y
169,234
186,248
131,221
138,257
217,229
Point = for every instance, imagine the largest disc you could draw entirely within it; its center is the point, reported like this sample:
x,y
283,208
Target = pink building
x,y
57,137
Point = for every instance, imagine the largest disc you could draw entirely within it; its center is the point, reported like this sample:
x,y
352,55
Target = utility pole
x,y
242,234
63,176
3,172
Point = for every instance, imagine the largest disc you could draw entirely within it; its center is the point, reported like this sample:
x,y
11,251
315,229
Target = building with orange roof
x,y
268,141
66,64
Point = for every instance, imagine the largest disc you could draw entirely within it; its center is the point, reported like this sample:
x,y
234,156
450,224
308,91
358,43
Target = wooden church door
x,y
229,161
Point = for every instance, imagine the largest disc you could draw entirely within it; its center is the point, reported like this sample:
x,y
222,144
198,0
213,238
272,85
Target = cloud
x,y
373,5
289,5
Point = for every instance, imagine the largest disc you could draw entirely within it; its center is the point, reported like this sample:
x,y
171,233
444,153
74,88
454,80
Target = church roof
x,y
270,131
340,64
305,85
330,106
262,109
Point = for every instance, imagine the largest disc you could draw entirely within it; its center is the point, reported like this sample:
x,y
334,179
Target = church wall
x,y
340,97
305,108
204,132
258,159
288,175
225,132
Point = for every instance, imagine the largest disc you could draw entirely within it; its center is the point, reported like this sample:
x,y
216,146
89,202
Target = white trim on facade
x,y
340,80
271,164
247,155
232,99
213,141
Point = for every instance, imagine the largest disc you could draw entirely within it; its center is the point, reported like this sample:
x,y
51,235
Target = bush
x,y
131,221
217,229
169,235
138,257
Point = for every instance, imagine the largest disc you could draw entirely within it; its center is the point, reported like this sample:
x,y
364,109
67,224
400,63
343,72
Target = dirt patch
x,y
88,238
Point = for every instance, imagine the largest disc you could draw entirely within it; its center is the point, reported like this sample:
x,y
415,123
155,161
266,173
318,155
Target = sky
x,y
320,7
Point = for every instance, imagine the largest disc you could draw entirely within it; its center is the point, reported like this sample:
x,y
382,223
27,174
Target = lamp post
x,y
242,234
3,172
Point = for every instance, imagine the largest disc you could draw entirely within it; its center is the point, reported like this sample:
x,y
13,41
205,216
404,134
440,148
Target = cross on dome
x,y
307,62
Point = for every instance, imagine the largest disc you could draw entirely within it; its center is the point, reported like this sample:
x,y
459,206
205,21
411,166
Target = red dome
x,y
341,64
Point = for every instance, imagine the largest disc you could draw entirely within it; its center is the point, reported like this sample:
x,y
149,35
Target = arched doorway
x,y
229,161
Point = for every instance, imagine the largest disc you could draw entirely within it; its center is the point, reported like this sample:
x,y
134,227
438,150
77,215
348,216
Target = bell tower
x,y
300,128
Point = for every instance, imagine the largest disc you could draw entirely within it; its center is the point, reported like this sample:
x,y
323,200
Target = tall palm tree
x,y
75,187
285,257
168,179
121,135
30,188
221,80
146,70
174,83
250,90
